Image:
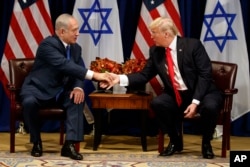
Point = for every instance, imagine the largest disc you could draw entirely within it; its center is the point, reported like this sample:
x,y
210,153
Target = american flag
x,y
150,10
30,23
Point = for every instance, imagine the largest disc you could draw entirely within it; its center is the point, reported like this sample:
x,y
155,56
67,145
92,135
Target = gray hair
x,y
63,21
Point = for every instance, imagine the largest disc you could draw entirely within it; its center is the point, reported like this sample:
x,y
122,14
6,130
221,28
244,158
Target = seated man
x,y
57,77
185,70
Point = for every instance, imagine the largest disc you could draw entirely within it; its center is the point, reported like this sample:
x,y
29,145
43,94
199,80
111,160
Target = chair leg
x,y
12,134
61,133
225,141
224,146
226,134
160,141
12,139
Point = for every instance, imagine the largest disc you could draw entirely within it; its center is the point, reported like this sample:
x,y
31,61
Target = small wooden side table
x,y
128,101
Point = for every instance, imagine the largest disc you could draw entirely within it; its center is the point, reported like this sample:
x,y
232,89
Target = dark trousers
x,y
74,116
170,116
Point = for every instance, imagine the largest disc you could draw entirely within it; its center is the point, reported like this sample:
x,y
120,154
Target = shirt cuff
x,y
78,88
89,75
123,80
196,101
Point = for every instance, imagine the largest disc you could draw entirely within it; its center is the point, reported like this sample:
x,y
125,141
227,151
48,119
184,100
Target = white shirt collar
x,y
172,45
65,44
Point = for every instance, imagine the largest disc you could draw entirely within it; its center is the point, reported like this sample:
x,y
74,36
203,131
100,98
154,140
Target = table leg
x,y
144,114
97,128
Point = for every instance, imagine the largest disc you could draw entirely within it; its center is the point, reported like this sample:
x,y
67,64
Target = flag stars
x,y
152,2
222,19
91,24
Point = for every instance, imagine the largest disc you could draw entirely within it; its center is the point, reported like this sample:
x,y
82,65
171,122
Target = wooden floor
x,y
119,143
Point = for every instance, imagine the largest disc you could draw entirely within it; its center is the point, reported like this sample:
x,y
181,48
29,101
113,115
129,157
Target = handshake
x,y
107,80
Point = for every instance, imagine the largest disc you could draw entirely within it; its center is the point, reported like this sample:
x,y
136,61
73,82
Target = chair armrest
x,y
228,95
14,94
230,91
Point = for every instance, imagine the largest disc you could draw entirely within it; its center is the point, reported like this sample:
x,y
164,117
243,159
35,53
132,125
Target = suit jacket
x,y
52,71
194,64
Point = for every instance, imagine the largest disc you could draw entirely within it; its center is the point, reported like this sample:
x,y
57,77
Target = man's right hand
x,y
102,77
108,85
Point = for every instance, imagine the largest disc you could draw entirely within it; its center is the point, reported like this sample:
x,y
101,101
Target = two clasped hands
x,y
107,80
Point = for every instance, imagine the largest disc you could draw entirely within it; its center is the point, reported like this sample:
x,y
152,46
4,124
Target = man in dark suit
x,y
57,77
192,80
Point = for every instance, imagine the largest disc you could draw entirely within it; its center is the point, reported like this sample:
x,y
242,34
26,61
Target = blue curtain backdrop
x,y
192,12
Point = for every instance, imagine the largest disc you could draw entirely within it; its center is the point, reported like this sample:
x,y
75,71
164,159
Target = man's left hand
x,y
78,95
190,112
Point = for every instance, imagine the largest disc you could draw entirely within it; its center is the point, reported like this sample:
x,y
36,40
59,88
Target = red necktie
x,y
171,75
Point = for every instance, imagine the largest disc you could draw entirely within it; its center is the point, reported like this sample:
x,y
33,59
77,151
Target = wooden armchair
x,y
224,75
18,70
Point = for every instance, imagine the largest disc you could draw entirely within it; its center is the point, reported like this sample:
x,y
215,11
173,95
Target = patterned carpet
x,y
109,160
114,151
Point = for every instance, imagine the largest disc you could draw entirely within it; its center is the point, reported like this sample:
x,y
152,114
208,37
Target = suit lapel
x,y
180,57
180,52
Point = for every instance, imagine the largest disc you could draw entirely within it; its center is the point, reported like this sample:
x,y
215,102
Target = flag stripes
x,y
28,26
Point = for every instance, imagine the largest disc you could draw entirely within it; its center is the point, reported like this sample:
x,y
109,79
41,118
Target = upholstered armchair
x,y
18,70
224,75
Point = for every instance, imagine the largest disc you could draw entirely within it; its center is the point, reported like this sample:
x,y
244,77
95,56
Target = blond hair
x,y
164,25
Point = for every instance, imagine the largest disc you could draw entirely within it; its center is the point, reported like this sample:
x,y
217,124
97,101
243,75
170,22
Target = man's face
x,y
158,37
70,34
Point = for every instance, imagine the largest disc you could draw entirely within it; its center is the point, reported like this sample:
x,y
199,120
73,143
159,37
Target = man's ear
x,y
62,31
166,34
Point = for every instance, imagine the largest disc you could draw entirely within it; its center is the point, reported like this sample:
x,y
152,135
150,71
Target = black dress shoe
x,y
68,150
207,151
171,149
37,149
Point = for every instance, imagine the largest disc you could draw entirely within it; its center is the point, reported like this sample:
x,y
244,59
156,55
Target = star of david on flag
x,y
220,16
95,29
224,39
99,35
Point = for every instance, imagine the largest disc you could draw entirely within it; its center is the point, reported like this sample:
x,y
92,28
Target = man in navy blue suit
x,y
192,80
57,77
